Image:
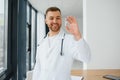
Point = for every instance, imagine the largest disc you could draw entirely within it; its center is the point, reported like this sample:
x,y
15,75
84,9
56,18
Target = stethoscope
x,y
61,52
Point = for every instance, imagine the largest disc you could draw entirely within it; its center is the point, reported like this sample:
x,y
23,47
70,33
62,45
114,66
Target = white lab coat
x,y
50,65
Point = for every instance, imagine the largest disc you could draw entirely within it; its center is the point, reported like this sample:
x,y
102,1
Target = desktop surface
x,y
96,74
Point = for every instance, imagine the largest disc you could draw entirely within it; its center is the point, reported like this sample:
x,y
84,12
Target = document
x,y
77,77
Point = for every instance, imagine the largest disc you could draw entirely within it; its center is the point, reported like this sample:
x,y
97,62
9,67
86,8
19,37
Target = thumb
x,y
68,29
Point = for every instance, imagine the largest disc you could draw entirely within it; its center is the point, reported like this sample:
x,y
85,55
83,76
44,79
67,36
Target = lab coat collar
x,y
59,35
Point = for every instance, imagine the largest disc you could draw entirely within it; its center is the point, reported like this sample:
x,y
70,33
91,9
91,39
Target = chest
x,y
50,53
49,48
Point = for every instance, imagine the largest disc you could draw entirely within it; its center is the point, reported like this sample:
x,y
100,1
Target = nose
x,y
55,20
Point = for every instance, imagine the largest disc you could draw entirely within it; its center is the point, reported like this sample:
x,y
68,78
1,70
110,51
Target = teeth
x,y
54,24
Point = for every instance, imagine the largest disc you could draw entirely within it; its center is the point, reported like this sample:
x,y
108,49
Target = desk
x,y
95,74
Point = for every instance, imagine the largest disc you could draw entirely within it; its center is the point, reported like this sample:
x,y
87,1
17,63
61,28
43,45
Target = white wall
x,y
1,6
40,27
103,29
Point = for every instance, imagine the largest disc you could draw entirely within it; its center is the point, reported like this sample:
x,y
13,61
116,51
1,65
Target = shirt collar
x,y
59,35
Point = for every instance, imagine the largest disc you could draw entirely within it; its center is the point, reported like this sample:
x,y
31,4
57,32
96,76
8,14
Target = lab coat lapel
x,y
55,46
53,53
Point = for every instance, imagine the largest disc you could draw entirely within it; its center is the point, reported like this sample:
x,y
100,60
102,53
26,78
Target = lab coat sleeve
x,y
80,50
37,69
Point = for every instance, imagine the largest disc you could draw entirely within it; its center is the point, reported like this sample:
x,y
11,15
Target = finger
x,y
67,28
73,19
69,19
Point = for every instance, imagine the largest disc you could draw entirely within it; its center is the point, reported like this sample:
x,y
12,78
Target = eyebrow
x,y
56,16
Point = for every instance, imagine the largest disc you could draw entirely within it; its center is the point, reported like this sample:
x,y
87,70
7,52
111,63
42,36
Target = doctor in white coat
x,y
58,50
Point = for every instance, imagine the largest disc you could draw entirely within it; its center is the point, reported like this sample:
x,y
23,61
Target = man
x,y
58,50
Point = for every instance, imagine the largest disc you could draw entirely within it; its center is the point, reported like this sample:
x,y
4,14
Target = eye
x,y
51,18
58,18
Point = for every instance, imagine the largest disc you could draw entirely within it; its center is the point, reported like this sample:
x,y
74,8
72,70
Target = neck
x,y
51,33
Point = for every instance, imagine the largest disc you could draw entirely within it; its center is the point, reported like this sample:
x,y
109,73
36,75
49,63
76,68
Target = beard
x,y
54,27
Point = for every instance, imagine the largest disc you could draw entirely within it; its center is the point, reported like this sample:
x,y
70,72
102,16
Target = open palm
x,y
73,26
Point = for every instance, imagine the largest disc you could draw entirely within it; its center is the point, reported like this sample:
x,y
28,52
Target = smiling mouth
x,y
55,25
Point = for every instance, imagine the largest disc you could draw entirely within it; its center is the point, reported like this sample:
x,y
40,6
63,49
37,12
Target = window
x,y
31,36
12,34
3,35
28,44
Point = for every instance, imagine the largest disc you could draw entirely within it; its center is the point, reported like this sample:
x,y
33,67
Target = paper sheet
x,y
77,77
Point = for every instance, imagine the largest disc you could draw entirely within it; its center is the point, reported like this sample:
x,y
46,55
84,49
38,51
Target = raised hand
x,y
72,27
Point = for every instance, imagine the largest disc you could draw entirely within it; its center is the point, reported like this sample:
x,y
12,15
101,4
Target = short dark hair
x,y
52,9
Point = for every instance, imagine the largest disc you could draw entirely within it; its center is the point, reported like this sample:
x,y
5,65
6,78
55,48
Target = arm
x,y
79,48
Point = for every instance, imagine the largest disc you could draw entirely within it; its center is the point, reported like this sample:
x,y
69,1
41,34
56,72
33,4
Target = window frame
x,y
6,74
16,57
32,54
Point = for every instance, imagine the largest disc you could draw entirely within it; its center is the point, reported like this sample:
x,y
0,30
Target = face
x,y
53,20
